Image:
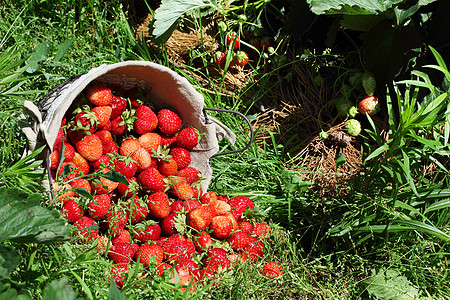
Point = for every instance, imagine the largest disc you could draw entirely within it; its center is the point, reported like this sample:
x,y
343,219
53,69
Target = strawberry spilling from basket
x,y
123,177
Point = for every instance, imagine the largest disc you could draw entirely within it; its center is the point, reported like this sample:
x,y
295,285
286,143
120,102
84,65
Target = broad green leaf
x,y
25,221
351,7
37,57
61,51
403,14
361,23
168,13
59,289
9,260
390,284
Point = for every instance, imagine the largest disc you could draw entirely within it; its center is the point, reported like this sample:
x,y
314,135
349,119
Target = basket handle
x,y
252,134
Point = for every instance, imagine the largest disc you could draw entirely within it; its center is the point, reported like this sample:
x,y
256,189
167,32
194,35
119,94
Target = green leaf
x,y
361,23
25,221
37,57
59,289
403,14
115,176
351,7
9,261
443,204
390,284
114,292
168,13
425,228
340,159
61,51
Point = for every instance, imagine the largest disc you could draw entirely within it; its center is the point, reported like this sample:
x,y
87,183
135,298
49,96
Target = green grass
x,y
328,246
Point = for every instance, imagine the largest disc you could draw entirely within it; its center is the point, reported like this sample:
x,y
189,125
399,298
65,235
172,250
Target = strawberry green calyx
x,y
369,83
222,26
353,127
323,135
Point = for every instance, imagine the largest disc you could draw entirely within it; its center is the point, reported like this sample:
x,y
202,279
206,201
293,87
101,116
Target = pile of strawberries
x,y
122,177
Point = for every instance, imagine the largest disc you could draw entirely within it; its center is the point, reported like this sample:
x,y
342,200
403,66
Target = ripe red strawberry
x,y
73,170
230,216
81,163
186,266
177,247
102,244
208,197
90,147
81,183
267,42
180,187
150,141
118,106
168,141
167,167
147,252
72,211
188,138
190,173
220,59
119,273
118,126
99,94
168,122
233,39
252,251
146,121
202,241
107,126
59,139
216,258
54,159
240,58
221,227
200,218
120,253
261,229
159,205
272,270
106,138
152,180
191,204
168,224
369,105
239,240
134,94
102,162
125,165
146,231
116,219
239,205
219,207
99,207
69,152
246,227
103,114
137,210
182,156
87,228
64,194
161,268
101,185
123,238
85,122
131,189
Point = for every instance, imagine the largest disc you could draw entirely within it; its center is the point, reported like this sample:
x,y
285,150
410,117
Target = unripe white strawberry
x,y
369,105
369,83
353,127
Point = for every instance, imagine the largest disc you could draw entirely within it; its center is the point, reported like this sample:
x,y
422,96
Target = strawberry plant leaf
x,y
25,221
168,13
9,260
114,292
351,7
37,57
390,284
115,176
59,289
61,51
